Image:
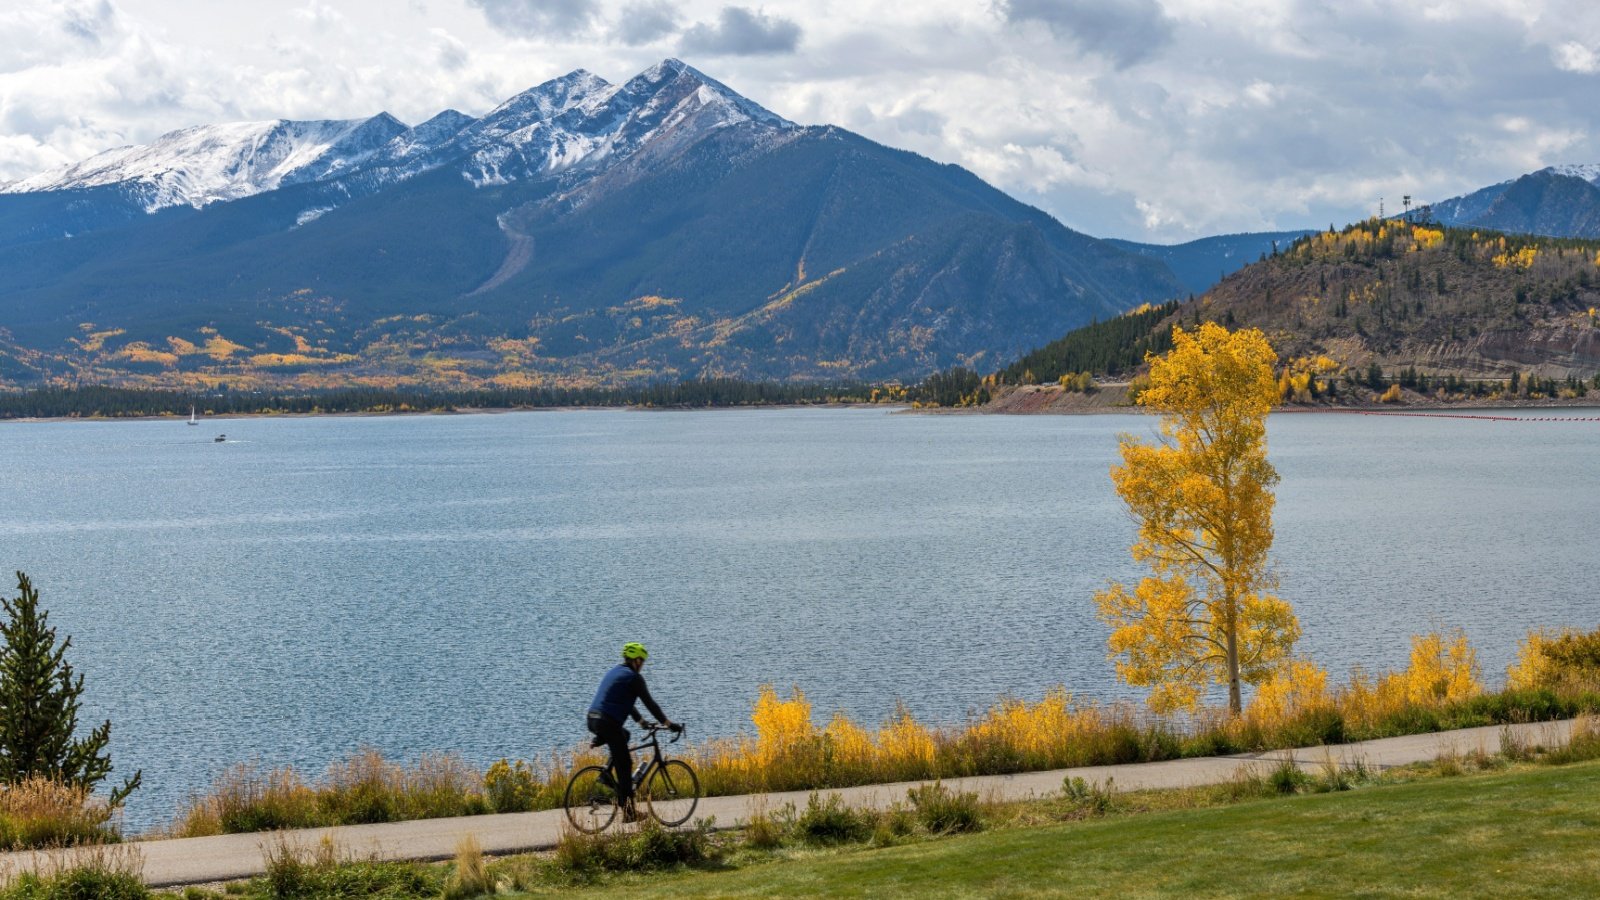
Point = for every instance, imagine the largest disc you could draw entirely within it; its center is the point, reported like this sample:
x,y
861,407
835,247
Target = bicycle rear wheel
x,y
672,792
591,804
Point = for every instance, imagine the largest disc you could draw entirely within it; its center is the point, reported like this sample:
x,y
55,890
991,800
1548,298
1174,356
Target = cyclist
x,y
614,702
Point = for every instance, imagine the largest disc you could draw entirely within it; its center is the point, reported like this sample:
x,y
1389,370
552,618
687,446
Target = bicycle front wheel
x,y
591,804
672,792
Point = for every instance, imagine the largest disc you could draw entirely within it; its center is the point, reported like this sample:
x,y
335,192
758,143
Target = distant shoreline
x,y
1050,400
1106,401
486,410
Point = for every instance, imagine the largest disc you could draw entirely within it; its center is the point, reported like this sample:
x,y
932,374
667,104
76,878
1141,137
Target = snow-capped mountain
x,y
213,163
1559,201
574,122
659,227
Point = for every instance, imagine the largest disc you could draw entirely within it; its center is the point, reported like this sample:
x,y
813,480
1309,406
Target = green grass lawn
x,y
1529,833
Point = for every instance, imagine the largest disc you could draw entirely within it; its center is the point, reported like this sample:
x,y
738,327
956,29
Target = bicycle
x,y
669,787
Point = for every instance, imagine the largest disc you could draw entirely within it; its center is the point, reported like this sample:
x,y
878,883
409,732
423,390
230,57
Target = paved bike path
x,y
202,860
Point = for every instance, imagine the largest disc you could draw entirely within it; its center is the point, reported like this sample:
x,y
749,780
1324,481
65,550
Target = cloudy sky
x,y
1157,120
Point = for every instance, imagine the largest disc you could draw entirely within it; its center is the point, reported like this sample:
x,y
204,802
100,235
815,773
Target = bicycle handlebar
x,y
677,733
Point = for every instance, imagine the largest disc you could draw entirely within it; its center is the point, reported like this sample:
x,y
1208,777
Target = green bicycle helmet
x,y
634,650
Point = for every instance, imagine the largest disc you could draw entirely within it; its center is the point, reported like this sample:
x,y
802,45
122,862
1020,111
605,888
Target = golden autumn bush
x,y
1297,687
1565,660
789,751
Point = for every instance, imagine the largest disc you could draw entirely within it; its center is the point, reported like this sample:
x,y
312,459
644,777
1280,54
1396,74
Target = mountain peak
x,y
668,68
1589,172
551,98
685,81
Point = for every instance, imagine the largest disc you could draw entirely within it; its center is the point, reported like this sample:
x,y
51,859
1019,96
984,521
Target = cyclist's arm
x,y
650,704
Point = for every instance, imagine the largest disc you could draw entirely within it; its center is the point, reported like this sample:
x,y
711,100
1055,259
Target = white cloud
x,y
1572,56
318,15
451,51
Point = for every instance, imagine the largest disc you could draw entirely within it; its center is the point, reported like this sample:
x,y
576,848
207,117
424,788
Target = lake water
x,y
317,585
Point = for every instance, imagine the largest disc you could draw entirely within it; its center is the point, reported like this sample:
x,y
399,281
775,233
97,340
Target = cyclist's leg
x,y
615,737
603,729
621,763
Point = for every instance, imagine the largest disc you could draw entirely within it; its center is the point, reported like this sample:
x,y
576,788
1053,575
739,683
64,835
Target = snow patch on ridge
x,y
1589,172
311,215
212,163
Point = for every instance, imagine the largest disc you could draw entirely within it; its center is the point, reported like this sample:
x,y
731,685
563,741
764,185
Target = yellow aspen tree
x,y
1202,497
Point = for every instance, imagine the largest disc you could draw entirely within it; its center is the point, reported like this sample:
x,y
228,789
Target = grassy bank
x,y
1522,833
1518,823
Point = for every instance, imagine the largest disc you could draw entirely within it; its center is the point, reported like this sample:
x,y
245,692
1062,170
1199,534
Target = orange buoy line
x,y
1441,415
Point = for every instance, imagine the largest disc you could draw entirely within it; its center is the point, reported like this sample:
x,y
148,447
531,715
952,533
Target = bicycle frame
x,y
642,773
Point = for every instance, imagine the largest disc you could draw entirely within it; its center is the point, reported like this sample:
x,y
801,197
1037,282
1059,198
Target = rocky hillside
x,y
1377,303
1444,301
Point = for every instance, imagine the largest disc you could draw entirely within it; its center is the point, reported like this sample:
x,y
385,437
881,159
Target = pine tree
x,y
39,701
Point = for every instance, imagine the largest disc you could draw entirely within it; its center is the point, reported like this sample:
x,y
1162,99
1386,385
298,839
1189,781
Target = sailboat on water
x,y
192,419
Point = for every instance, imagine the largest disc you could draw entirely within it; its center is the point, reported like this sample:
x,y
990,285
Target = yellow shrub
x,y
1426,238
1294,688
1533,669
850,744
905,742
1035,731
1442,670
1565,660
781,724
1522,259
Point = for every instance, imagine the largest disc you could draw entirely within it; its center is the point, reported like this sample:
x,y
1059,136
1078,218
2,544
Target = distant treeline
x,y
115,402
1113,347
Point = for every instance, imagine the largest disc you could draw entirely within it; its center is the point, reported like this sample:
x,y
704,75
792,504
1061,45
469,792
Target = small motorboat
x,y
219,439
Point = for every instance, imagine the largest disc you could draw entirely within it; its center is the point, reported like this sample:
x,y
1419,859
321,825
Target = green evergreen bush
x,y
39,700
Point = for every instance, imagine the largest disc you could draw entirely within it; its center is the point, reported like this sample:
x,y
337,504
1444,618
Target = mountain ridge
x,y
1556,201
1457,309
581,232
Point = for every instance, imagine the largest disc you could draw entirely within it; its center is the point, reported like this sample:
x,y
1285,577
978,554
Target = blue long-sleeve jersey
x,y
619,691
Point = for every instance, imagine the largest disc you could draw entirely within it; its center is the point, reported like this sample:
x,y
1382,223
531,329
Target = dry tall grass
x,y
111,871
470,878
39,812
361,789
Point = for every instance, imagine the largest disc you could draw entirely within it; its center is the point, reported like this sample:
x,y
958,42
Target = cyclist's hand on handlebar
x,y
676,727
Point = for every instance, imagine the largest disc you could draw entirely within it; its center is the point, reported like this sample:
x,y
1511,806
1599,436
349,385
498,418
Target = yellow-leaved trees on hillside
x,y
1202,496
